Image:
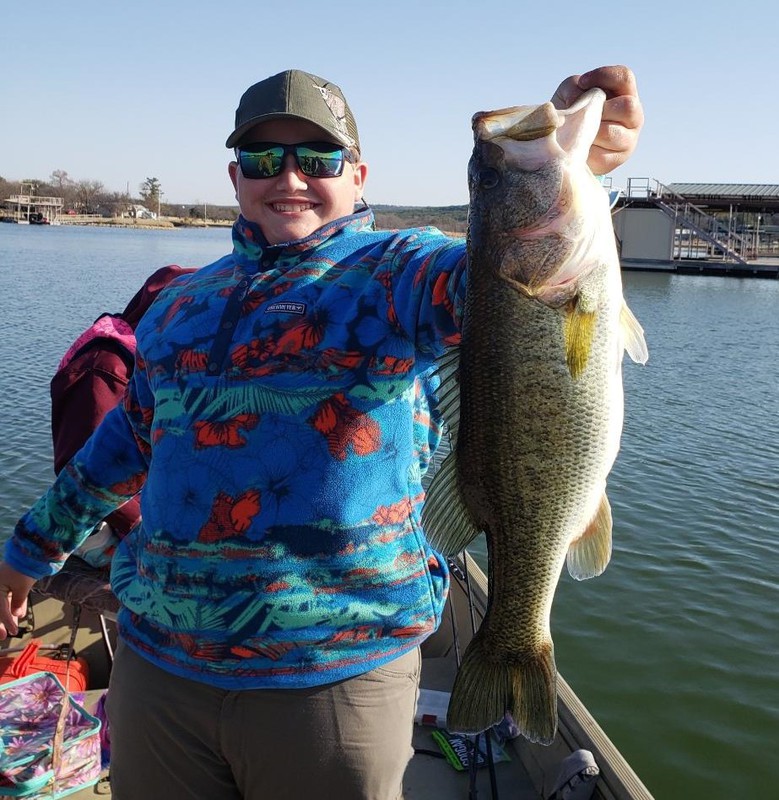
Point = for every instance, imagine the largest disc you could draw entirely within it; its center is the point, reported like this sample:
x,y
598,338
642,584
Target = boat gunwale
x,y
577,728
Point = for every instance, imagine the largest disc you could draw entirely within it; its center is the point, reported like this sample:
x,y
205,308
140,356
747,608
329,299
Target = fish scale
x,y
533,400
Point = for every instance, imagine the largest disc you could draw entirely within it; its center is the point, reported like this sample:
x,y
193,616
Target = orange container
x,y
30,661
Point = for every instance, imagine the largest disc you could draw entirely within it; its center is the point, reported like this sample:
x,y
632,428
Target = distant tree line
x,y
91,197
450,219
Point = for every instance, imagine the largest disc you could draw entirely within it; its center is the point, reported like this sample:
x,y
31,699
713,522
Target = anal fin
x,y
633,335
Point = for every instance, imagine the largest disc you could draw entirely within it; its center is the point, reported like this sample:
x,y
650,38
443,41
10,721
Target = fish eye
x,y
489,178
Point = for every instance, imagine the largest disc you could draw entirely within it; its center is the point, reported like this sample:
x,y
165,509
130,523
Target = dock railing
x,y
28,207
696,231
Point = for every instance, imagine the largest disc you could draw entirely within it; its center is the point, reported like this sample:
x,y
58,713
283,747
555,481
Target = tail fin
x,y
485,689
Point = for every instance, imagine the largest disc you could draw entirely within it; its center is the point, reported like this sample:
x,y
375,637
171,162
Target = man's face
x,y
292,205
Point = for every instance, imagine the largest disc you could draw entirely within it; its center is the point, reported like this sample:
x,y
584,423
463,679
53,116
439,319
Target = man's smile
x,y
292,207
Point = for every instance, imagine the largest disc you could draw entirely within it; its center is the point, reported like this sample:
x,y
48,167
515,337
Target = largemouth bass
x,y
533,399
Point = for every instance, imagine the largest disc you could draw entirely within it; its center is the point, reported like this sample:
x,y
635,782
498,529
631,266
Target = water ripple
x,y
674,646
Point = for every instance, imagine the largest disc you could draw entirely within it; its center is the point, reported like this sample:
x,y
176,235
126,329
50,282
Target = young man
x,y
280,417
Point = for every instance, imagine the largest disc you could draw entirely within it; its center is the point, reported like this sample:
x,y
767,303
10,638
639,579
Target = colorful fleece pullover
x,y
279,419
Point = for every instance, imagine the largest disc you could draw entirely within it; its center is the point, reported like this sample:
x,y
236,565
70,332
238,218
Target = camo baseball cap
x,y
298,95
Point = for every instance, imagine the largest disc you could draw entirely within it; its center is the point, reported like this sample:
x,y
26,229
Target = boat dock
x,y
27,208
699,228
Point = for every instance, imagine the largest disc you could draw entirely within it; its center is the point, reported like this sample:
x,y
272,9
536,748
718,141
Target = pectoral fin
x,y
589,554
579,333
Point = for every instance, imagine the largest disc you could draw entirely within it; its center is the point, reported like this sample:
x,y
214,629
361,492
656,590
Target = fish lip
x,y
520,123
590,96
576,139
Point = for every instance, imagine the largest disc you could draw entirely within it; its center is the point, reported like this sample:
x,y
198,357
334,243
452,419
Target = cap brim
x,y
235,137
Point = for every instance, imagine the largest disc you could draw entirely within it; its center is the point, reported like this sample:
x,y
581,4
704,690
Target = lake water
x,y
674,647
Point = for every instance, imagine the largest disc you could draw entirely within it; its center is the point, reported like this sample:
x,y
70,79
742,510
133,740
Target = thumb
x,y
567,92
19,603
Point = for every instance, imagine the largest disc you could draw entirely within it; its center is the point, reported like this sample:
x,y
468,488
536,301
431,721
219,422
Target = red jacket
x,y
93,382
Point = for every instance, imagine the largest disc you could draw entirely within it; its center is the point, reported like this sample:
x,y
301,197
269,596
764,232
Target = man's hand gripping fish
x,y
532,398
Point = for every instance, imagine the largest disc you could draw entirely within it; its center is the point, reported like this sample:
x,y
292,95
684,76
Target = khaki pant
x,y
176,739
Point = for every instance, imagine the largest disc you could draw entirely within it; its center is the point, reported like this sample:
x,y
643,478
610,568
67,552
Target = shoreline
x,y
167,223
765,267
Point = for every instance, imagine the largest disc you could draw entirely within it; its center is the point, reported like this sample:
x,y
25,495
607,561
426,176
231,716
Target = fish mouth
x,y
520,123
534,135
515,145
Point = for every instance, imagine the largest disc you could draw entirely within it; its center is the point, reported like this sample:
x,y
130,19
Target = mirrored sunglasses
x,y
315,159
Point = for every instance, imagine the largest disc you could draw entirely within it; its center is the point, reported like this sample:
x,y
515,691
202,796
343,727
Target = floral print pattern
x,y
29,711
282,413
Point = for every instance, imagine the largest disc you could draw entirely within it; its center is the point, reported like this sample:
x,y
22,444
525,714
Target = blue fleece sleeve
x,y
108,470
429,279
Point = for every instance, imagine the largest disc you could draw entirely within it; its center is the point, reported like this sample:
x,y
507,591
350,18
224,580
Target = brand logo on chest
x,y
286,307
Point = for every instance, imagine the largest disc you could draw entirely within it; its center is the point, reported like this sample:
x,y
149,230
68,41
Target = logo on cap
x,y
337,107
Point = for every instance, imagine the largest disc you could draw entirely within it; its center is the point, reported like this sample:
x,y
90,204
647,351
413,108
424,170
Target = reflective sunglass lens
x,y
315,159
320,164
262,163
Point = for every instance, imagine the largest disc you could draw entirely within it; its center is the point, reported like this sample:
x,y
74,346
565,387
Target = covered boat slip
x,y
529,774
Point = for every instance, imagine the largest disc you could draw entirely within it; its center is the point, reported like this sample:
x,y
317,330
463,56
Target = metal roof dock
x,y
699,228
747,196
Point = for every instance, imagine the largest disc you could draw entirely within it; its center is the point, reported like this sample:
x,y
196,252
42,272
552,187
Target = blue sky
x,y
118,92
